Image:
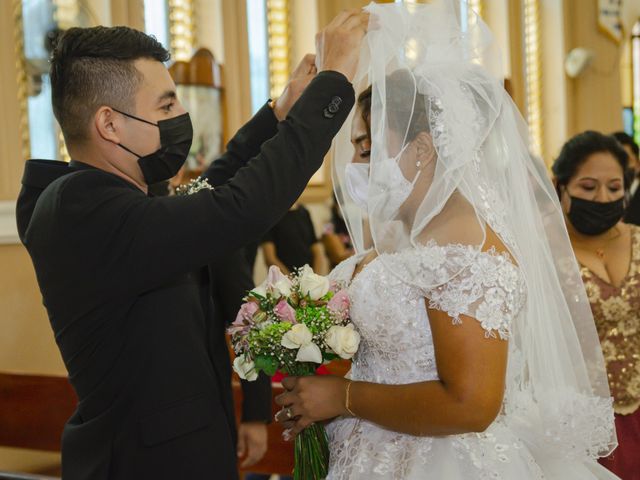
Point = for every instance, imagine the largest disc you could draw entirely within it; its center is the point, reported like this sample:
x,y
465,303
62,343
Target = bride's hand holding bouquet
x,y
293,325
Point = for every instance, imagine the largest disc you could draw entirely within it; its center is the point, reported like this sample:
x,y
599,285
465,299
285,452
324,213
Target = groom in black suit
x,y
123,275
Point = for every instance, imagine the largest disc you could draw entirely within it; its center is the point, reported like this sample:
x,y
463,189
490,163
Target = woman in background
x,y
589,177
336,239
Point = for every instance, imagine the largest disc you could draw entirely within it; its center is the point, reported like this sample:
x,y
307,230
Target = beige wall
x,y
123,12
555,115
304,25
26,343
11,159
237,99
210,27
595,97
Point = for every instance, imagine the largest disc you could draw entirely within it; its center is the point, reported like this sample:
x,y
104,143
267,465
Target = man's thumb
x,y
242,446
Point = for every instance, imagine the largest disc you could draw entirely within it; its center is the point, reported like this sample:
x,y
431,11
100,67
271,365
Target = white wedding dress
x,y
397,348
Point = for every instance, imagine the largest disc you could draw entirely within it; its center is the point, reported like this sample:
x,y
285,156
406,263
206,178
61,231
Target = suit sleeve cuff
x,y
256,400
326,102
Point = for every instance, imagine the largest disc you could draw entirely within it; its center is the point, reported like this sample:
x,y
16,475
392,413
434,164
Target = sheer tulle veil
x,y
450,159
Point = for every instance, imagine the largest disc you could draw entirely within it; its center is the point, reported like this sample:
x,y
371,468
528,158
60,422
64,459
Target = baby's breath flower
x,y
194,186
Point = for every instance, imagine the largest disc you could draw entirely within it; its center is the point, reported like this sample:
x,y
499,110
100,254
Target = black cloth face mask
x,y
176,135
593,218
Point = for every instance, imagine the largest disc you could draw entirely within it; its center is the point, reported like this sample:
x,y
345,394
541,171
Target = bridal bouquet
x,y
293,324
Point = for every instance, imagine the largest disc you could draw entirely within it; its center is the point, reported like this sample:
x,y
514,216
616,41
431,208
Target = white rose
x,y
316,286
300,337
276,283
245,369
344,341
261,289
309,353
283,287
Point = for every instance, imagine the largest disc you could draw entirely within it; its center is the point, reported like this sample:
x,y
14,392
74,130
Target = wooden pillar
x,y
516,51
595,97
235,72
14,127
128,12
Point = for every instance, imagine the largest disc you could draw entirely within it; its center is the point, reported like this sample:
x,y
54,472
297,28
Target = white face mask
x,y
394,187
357,180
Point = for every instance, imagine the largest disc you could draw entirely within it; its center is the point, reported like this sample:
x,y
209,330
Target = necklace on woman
x,y
599,250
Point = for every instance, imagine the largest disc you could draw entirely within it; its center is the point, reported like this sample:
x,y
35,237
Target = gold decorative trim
x,y
21,78
533,73
635,68
182,28
65,15
278,28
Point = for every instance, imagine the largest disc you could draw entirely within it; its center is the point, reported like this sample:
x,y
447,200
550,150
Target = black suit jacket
x,y
125,282
231,279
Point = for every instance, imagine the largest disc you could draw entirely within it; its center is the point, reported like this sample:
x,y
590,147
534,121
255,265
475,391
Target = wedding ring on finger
x,y
288,413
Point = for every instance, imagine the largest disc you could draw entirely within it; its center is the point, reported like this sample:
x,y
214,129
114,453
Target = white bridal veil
x,y
449,161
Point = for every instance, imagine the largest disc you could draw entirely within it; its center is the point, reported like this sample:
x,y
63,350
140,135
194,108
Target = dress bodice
x,y
389,305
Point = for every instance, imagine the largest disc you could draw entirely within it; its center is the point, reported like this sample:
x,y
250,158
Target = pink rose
x,y
285,312
244,320
247,311
340,304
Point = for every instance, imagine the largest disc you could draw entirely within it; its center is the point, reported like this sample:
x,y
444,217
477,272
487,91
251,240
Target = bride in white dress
x,y
479,357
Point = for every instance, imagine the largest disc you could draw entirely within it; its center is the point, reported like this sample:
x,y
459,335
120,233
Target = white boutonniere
x,y
194,186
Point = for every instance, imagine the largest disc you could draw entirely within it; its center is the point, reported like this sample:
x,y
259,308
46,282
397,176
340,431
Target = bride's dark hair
x,y
399,105
364,104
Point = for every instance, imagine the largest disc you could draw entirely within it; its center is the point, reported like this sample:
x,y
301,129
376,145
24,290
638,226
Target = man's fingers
x,y
251,460
342,17
360,21
256,452
305,66
309,59
255,443
242,444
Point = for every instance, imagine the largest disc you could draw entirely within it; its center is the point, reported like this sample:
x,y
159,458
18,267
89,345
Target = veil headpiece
x,y
450,159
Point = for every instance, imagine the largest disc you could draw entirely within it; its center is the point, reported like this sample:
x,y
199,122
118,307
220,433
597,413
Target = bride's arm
x,y
466,398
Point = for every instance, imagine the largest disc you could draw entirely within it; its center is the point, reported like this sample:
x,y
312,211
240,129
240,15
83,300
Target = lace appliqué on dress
x,y
484,285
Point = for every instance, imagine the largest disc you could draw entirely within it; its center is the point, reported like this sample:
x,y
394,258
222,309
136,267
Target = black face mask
x,y
176,135
593,218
